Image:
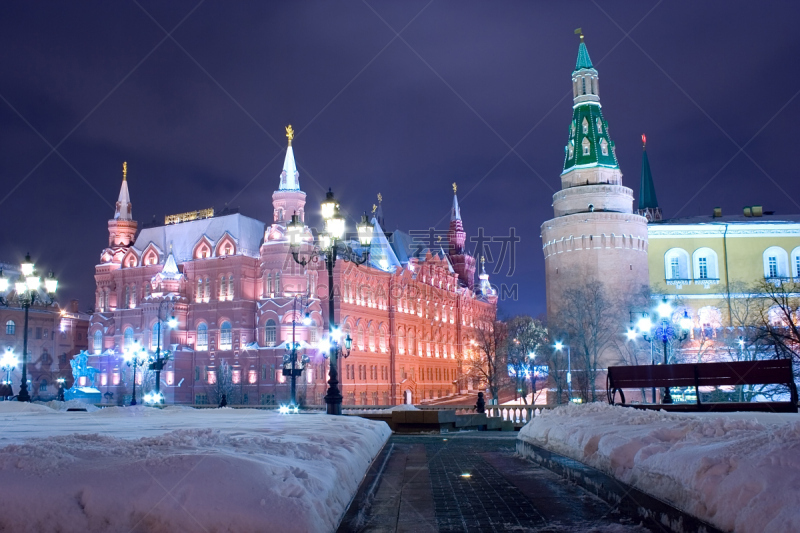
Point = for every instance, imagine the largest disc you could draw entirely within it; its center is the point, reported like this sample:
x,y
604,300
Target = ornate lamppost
x,y
27,290
330,246
135,356
291,367
60,389
665,331
7,364
157,363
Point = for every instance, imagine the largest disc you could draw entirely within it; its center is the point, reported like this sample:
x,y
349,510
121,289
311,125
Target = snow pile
x,y
738,471
69,404
146,469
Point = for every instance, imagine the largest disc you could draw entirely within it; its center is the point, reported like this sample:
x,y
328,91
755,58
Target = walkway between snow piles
x,y
473,482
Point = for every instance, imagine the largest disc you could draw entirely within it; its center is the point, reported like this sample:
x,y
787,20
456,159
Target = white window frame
x,y
683,264
781,262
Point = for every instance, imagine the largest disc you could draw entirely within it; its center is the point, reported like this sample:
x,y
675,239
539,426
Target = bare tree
x,y
590,318
778,319
223,384
525,340
490,357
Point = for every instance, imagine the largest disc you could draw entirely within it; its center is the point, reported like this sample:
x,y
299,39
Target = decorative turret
x,y
485,287
463,263
289,199
594,234
121,228
648,204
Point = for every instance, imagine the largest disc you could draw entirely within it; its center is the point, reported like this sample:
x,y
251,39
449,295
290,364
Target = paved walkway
x,y
472,482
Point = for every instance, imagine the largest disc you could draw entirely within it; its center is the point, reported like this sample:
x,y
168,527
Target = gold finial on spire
x,y
644,141
455,187
579,31
483,260
374,208
380,197
289,133
124,171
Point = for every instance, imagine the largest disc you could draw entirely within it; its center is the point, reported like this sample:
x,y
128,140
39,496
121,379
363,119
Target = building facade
x,y
594,235
240,299
55,334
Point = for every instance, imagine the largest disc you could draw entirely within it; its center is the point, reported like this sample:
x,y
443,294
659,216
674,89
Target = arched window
x,y
709,317
155,338
704,261
599,125
223,288
776,263
133,296
43,386
604,146
269,283
225,336
361,341
585,125
676,265
147,289
270,333
382,341
127,338
127,297
372,346
412,347
230,287
586,146
207,293
796,263
277,282
98,342
11,328
202,338
199,294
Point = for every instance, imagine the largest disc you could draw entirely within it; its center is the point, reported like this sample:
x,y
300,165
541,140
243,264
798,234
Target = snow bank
x,y
146,469
738,471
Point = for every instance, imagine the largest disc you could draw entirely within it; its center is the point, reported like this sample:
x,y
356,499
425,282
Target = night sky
x,y
473,92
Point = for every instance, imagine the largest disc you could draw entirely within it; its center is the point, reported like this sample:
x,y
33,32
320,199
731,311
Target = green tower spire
x,y
589,144
648,203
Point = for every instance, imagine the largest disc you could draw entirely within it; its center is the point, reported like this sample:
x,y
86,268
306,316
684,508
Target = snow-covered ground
x,y
179,469
738,471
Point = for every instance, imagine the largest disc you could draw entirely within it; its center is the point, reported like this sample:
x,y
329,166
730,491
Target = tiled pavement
x,y
473,482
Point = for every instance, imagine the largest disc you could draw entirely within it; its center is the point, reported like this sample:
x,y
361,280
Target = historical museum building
x,y
239,300
594,235
55,334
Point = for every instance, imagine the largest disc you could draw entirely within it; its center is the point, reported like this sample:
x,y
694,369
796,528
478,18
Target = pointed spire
x,y
377,209
123,209
170,270
455,213
290,177
648,203
583,56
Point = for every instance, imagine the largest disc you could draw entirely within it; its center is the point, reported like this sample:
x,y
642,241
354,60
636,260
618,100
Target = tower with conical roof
x,y
288,199
121,228
463,263
594,234
648,204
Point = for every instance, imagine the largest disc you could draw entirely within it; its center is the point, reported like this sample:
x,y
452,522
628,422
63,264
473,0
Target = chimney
x,y
717,212
747,212
757,211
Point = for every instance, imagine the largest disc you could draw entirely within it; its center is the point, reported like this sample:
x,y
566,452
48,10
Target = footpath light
x,y
60,382
645,324
294,231
135,356
665,331
364,231
560,346
631,334
664,309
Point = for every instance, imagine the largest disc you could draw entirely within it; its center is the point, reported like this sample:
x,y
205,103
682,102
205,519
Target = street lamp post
x,y
559,346
27,290
664,332
7,364
158,363
295,371
329,247
60,389
135,356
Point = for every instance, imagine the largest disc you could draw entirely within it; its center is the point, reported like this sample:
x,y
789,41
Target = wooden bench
x,y
775,371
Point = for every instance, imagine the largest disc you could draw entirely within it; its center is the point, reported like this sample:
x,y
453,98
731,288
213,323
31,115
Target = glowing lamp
x,y
336,334
686,322
532,355
294,230
51,283
20,286
172,322
325,241
329,206
348,342
631,334
27,266
741,342
364,231
559,346
3,282
283,409
644,324
307,320
324,346
334,226
32,282
664,309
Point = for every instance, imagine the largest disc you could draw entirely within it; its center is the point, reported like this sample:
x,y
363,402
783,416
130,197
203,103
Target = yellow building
x,y
704,260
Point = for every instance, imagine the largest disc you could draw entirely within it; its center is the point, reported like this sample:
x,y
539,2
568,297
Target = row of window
x,y
374,371
703,264
428,374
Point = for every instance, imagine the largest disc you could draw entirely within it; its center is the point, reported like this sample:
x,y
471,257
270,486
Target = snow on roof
x,y
381,254
247,232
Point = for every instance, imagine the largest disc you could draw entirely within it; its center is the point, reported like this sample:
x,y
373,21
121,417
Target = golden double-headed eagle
x,y
289,133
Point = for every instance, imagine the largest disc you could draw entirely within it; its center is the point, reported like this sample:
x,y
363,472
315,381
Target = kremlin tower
x,y
121,228
594,234
463,263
